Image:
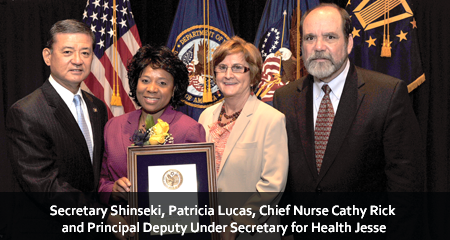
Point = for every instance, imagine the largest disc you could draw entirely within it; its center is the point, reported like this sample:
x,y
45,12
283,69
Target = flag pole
x,y
207,95
115,98
282,39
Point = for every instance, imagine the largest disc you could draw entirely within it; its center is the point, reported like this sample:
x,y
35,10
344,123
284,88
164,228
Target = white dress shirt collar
x,y
65,94
336,84
337,87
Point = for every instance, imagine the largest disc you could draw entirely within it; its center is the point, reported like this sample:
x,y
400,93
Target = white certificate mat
x,y
172,178
157,178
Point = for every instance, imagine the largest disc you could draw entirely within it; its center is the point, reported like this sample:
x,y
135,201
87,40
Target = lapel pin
x,y
95,109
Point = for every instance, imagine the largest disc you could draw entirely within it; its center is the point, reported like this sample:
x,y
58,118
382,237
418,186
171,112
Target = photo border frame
x,y
151,153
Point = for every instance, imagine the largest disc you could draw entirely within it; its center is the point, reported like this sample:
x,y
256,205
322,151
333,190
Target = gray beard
x,y
323,70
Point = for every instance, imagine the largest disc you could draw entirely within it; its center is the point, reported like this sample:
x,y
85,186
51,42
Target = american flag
x,y
116,41
275,39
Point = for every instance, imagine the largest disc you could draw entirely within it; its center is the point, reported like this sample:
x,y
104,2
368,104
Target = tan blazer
x,y
255,158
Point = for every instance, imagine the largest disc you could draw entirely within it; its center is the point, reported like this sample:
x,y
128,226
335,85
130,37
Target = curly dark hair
x,y
159,58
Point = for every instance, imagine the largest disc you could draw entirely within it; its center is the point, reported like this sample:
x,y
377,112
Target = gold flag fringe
x,y
386,48
416,83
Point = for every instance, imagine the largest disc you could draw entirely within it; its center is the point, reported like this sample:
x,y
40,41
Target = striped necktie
x,y
324,122
82,124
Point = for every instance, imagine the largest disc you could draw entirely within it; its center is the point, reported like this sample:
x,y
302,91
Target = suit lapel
x,y
348,107
65,118
168,115
304,110
212,118
238,128
96,125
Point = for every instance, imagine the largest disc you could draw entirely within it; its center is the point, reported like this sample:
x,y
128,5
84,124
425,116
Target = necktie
x,y
82,123
324,122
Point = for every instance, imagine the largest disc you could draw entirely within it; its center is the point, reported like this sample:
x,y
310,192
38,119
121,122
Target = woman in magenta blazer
x,y
158,81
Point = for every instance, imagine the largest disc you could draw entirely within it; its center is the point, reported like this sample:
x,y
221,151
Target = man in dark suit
x,y
55,136
362,136
372,145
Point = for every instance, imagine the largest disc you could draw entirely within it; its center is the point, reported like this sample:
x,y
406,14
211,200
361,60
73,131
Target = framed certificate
x,y
176,184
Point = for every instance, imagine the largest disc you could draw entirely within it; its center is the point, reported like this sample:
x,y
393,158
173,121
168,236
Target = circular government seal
x,y
172,179
191,46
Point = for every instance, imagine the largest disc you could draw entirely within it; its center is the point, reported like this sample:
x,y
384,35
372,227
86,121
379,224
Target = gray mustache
x,y
321,55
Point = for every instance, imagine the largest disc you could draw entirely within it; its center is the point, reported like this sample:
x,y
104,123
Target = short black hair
x,y
69,26
159,58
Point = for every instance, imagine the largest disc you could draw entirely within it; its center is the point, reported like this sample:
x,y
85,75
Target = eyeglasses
x,y
236,68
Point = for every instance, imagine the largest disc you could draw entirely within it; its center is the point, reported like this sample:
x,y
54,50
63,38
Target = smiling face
x,y
154,90
234,85
324,47
70,59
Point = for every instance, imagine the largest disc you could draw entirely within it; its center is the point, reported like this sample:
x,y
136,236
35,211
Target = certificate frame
x,y
141,159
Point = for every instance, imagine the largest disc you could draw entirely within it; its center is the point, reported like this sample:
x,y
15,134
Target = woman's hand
x,y
120,189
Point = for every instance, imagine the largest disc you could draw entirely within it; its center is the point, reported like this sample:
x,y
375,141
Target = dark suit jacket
x,y
374,144
48,152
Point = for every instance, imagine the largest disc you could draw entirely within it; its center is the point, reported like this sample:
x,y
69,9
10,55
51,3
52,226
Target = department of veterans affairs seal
x,y
191,48
172,179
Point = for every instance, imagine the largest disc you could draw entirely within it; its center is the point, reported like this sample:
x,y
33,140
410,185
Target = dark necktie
x,y
324,122
82,123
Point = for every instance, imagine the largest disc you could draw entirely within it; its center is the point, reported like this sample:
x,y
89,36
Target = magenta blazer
x,y
117,135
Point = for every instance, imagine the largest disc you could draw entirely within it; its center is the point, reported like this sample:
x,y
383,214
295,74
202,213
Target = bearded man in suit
x,y
374,137
55,138
361,136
